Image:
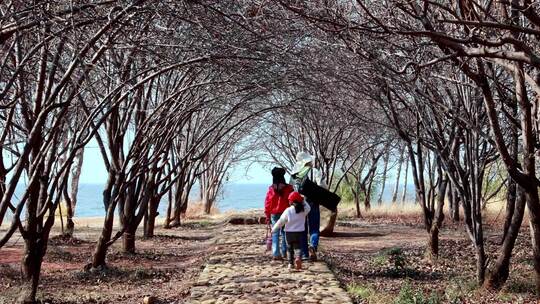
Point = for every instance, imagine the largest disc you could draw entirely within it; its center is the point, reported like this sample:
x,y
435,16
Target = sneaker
x,y
298,263
277,258
290,267
312,254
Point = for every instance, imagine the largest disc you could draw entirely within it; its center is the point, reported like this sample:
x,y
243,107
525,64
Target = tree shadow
x,y
356,234
255,259
405,273
168,237
389,272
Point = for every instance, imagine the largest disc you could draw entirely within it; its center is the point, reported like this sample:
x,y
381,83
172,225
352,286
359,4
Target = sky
x,y
94,172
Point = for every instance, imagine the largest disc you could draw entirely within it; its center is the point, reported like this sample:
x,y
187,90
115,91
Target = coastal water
x,y
233,197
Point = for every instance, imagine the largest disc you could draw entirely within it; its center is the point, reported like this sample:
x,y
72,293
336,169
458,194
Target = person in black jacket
x,y
304,171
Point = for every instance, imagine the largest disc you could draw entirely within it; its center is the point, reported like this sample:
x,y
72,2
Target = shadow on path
x,y
357,234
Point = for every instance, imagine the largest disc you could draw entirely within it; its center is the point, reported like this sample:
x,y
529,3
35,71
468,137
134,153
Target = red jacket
x,y
277,203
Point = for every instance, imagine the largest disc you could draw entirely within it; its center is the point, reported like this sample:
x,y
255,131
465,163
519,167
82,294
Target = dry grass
x,y
195,210
399,212
495,212
411,212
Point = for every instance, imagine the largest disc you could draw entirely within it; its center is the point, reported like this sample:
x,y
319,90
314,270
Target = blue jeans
x,y
278,238
313,225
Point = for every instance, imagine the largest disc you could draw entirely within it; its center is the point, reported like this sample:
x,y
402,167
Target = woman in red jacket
x,y
275,203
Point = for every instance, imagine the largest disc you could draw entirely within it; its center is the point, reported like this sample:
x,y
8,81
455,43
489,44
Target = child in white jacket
x,y
294,220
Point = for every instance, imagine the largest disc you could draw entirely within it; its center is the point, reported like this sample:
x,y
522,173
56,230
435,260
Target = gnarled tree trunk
x,y
328,230
150,221
433,243
398,175
385,172
498,274
72,201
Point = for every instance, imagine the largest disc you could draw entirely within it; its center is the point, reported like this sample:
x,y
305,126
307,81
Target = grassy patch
x,y
380,260
200,223
396,257
504,297
392,262
409,295
458,290
391,257
9,272
520,285
360,291
367,294
100,274
204,223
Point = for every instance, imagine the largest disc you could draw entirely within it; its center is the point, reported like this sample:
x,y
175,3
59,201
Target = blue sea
x,y
232,197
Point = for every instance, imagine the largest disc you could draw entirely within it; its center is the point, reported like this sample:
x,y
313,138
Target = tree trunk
x,y
367,202
357,204
60,212
398,175
433,244
31,268
330,225
129,224
179,188
167,222
128,244
75,177
451,206
34,245
480,263
511,197
151,217
208,197
533,206
100,253
208,205
499,272
385,169
70,225
529,138
404,194
455,211
185,200
453,200
110,191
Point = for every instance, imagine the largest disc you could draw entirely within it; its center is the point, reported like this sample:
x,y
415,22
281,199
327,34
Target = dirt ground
x,y
381,262
164,267
378,260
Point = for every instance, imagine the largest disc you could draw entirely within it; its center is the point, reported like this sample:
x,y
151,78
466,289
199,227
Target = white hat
x,y
302,158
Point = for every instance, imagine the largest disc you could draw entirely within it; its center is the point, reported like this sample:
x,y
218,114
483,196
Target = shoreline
x,y
97,221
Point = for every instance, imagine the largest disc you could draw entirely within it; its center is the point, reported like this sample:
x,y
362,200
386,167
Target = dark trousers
x,y
294,240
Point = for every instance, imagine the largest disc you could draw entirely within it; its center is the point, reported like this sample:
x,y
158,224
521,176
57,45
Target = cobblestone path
x,y
240,271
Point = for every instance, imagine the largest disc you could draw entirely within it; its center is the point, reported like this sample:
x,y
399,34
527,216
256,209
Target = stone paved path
x,y
240,271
